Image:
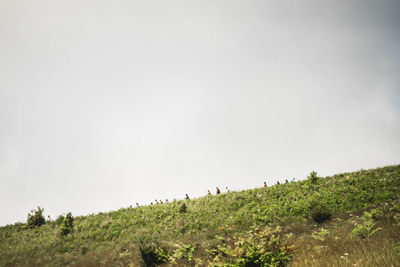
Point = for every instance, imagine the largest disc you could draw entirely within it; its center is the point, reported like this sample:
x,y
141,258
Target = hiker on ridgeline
x,y
151,203
286,181
161,201
187,197
292,181
157,202
227,190
218,191
265,184
166,200
278,183
208,193
137,204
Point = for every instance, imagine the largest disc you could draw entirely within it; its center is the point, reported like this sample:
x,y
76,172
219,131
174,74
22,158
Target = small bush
x,y
313,178
185,252
67,225
60,220
36,218
318,212
183,208
321,234
367,228
152,254
258,247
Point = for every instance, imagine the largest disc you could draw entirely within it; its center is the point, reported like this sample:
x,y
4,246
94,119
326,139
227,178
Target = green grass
x,y
216,230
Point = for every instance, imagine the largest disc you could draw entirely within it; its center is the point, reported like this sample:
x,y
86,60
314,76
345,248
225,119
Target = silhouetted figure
x,y
166,200
278,183
151,203
227,190
157,202
187,197
161,201
137,204
292,181
208,192
265,184
218,191
286,181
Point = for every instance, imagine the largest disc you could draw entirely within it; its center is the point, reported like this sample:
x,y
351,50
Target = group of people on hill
x,y
278,183
217,192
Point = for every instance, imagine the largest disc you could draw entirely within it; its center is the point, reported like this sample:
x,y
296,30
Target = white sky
x,y
107,103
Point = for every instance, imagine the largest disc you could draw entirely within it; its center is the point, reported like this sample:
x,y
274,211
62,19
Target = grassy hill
x,y
349,219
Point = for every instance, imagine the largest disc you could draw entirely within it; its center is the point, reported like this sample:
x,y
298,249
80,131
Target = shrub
x,y
321,234
60,220
182,208
36,218
258,247
152,254
318,212
185,252
67,225
367,228
313,178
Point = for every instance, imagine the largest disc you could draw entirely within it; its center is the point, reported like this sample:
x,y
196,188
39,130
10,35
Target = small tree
x,y
67,225
36,218
313,178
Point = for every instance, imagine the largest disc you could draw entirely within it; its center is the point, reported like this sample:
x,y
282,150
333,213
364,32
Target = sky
x,y
107,103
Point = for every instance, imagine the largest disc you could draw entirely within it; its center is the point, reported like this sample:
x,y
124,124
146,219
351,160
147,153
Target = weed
x,y
258,247
367,228
185,252
322,234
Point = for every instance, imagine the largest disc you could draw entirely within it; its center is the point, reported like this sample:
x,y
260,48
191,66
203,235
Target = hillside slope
x,y
264,226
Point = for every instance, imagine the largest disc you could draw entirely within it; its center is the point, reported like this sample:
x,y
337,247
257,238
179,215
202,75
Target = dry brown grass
x,y
339,248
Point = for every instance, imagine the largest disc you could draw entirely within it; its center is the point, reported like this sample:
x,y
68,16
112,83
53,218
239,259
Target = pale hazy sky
x,y
107,103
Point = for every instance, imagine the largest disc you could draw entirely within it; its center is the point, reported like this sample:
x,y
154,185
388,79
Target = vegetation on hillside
x,y
349,218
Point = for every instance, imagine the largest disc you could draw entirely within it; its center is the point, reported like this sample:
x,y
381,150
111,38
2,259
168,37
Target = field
x,y
349,219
